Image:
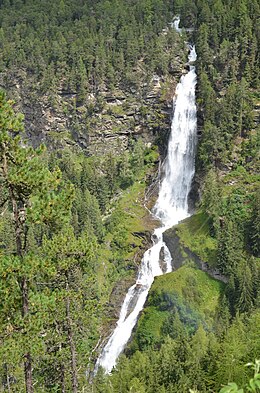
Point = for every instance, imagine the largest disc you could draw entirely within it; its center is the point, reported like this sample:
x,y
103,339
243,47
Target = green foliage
x,y
211,200
254,231
84,45
228,149
231,388
200,359
254,383
183,343
188,295
36,198
70,225
225,99
48,274
253,386
196,234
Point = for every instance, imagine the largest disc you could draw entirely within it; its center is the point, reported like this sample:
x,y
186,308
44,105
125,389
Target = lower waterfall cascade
x,y
170,208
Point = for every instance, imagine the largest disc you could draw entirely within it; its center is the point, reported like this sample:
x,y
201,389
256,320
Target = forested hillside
x,y
95,82
86,74
195,333
72,224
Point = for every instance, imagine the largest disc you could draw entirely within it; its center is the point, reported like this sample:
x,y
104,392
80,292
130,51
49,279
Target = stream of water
x,y
170,208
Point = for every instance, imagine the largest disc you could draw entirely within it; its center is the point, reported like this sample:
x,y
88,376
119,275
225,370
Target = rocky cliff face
x,y
181,255
106,120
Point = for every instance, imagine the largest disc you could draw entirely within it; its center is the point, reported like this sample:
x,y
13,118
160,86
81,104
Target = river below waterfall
x,y
170,208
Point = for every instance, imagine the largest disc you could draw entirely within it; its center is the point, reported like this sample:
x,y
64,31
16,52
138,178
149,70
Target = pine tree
x,y
73,259
203,49
35,199
254,230
230,247
207,98
211,200
245,288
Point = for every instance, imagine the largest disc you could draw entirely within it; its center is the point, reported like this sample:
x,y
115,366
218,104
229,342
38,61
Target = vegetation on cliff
x,y
59,257
88,75
71,223
224,233
90,78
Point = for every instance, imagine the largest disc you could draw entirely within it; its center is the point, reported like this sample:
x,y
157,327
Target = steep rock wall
x,y
181,254
107,120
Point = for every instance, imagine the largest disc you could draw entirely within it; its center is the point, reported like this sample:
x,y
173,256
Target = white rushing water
x,y
175,24
170,208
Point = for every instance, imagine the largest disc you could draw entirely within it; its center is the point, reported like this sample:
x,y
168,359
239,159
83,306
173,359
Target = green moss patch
x,y
192,286
194,233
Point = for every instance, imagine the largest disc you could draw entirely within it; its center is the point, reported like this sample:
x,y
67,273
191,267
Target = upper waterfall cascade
x,y
170,208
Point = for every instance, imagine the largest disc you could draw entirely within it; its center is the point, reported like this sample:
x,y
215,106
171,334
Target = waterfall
x,y
170,208
175,24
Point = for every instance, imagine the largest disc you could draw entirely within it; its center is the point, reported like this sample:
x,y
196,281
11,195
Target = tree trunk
x,y
62,377
27,356
74,376
7,378
18,229
28,373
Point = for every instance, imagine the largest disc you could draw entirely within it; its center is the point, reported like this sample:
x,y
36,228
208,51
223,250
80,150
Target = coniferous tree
x,y
35,199
254,230
211,201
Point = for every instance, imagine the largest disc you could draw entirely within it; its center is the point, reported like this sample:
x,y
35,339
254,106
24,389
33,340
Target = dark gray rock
x,y
181,254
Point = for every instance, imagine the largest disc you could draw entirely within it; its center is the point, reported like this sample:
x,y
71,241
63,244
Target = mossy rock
x,y
191,239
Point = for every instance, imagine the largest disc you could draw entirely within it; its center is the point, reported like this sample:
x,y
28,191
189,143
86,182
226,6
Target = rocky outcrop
x,y
101,122
182,254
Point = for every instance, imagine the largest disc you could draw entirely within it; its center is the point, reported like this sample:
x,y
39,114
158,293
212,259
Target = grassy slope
x,y
194,233
130,216
129,226
190,291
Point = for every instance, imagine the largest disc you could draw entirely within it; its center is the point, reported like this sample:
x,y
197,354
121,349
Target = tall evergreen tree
x,y
35,198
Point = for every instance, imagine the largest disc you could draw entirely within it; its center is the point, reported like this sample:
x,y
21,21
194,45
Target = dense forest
x,y
73,225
